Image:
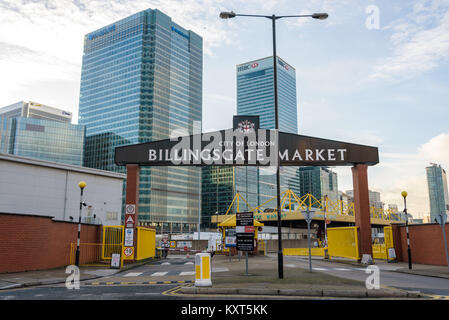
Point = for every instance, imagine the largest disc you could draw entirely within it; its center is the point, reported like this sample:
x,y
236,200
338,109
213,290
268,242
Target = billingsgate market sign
x,y
246,145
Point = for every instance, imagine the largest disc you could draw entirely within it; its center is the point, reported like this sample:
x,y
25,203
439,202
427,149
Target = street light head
x,y
227,15
82,184
404,194
320,16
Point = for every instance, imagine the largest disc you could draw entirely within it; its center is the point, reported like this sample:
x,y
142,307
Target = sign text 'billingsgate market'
x,y
251,148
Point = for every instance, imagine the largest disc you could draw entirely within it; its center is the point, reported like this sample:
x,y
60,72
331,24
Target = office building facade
x,y
255,96
438,191
320,182
141,81
33,130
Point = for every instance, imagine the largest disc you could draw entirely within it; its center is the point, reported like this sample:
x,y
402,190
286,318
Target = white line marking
x,y
220,269
133,274
165,263
8,297
188,263
159,274
341,269
290,265
319,269
187,273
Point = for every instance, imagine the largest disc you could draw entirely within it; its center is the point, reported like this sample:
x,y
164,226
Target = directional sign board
x,y
245,231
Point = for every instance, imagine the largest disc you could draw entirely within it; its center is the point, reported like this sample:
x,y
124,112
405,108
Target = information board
x,y
245,231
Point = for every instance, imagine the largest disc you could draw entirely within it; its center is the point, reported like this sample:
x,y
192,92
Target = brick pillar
x,y
361,208
132,198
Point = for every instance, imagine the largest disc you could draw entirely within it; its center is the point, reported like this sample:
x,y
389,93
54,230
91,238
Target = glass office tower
x,y
34,130
438,191
255,96
141,80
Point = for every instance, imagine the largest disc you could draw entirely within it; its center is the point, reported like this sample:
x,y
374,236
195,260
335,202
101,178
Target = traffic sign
x,y
130,220
128,251
130,209
129,237
328,221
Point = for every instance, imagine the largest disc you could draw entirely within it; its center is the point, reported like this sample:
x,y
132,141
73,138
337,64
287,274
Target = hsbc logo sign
x,y
247,67
284,65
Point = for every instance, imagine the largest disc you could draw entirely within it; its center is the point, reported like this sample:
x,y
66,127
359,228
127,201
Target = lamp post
x,y
409,253
442,217
82,185
320,16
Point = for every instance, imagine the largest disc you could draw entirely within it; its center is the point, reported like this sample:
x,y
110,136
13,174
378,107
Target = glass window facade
x,y
255,96
46,140
141,80
438,191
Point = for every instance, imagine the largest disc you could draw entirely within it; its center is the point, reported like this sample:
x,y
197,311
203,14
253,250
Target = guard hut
x,y
229,224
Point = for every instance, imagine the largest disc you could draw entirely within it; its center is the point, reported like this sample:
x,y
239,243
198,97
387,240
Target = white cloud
x,y
420,42
404,171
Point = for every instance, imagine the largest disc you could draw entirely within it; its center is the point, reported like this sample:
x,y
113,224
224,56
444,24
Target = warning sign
x,y
128,252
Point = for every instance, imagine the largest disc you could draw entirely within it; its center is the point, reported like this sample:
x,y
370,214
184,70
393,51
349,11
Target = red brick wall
x,y
30,242
426,243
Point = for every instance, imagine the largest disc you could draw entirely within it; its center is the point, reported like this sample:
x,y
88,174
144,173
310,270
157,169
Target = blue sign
x,y
180,32
101,32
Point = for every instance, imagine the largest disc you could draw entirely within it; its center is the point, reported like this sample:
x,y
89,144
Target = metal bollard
x,y
202,270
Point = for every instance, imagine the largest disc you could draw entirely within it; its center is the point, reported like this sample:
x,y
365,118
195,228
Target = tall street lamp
x,y
320,16
82,185
404,195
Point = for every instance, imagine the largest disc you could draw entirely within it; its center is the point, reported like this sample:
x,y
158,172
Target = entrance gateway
x,y
248,145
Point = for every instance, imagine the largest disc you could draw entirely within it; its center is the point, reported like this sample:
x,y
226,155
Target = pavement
x,y
402,267
263,280
56,276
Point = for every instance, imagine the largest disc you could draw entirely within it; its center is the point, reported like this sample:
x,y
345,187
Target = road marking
x,y
341,269
133,274
220,269
320,269
290,265
187,273
188,263
39,295
8,297
159,274
165,263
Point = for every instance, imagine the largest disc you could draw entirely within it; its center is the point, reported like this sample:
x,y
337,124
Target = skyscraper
x,y
141,80
255,96
319,181
438,191
34,130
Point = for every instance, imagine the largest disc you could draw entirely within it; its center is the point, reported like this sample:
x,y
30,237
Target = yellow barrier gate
x,y
343,242
380,250
112,241
146,243
303,252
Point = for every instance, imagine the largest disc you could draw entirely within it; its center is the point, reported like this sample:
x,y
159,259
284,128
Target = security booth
x,y
228,227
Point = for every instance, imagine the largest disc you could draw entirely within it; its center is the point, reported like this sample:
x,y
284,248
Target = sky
x,y
374,73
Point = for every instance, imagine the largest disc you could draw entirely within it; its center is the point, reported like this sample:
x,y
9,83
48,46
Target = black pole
x,y
409,253
77,257
276,115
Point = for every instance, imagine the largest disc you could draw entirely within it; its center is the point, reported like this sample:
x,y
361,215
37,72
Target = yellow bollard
x,y
202,270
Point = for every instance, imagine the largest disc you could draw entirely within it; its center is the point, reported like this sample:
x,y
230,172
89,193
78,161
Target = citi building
x,y
141,81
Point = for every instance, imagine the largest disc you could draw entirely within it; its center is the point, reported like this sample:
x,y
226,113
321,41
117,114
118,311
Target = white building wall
x,y
33,189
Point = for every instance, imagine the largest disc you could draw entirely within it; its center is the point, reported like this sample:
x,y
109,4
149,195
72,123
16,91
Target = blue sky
x,y
386,86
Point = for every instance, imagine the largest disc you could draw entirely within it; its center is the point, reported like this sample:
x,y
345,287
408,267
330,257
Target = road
x,y
161,280
388,277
